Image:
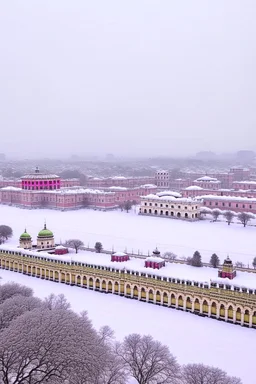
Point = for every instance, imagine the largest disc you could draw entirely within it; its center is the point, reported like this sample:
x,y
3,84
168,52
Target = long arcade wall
x,y
227,303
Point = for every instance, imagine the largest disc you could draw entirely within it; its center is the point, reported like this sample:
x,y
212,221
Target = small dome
x,y
156,252
25,236
45,232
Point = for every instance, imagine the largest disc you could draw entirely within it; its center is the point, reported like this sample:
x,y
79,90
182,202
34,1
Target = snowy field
x,y
129,231
189,337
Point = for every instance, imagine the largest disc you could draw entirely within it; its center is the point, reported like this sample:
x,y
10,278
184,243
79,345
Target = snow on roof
x,y
155,259
169,198
119,254
40,176
11,189
118,188
148,186
252,182
168,193
171,270
60,247
233,198
118,178
208,178
194,188
68,191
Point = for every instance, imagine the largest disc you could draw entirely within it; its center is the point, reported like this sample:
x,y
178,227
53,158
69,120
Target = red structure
x,y
119,256
60,250
39,181
227,270
155,261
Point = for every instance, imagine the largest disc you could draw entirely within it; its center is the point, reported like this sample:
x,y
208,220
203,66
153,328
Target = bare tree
x,y
74,243
254,263
203,374
229,215
170,256
239,264
205,211
148,361
245,217
127,205
56,302
5,233
98,247
9,290
216,213
49,346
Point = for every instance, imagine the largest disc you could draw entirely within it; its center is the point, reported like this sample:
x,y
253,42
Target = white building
x,y
170,204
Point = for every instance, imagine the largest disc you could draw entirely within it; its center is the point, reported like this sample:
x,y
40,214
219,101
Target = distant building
x,y
170,204
227,270
162,179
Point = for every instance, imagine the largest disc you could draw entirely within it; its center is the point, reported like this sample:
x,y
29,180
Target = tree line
x,y
243,217
44,341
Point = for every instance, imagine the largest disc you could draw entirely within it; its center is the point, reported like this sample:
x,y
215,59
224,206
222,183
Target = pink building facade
x,y
123,194
231,203
119,181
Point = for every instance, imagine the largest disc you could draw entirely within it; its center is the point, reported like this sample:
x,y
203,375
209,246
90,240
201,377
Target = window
x,y
166,205
236,205
229,204
216,203
223,204
145,203
186,207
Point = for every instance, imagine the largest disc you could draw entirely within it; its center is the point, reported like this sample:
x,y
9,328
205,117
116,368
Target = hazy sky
x,y
127,77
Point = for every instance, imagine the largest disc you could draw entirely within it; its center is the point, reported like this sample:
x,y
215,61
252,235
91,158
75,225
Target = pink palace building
x,y
39,190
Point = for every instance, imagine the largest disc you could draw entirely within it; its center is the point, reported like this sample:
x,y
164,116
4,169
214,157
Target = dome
x,y
45,232
25,236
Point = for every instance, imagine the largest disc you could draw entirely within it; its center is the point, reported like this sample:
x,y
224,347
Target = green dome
x,y
25,235
45,232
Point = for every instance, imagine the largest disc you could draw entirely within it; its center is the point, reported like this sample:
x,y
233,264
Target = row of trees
x,y
243,217
44,341
77,244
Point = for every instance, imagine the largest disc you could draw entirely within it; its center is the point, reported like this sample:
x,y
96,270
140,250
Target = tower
x,y
227,270
45,239
25,240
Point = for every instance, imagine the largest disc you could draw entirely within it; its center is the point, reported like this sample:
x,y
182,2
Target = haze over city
x,y
130,78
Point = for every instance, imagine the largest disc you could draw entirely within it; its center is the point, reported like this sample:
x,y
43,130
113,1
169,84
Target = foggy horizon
x,y
133,78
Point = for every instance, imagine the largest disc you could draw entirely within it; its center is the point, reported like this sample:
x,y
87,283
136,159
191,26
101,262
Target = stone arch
x,y
68,278
143,294
213,308
91,282
205,306
173,300
103,285
84,281
197,305
97,284
116,287
238,314
145,211
186,215
110,286
150,211
128,290
166,213
222,310
230,312
161,212
246,316
188,303
165,298
135,291
158,296
172,213
155,212
151,295
78,280
178,214
180,301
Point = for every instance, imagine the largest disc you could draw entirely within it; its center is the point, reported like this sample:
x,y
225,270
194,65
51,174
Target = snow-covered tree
x,y
245,217
74,243
127,205
148,361
214,261
203,374
5,233
254,263
196,260
229,215
205,211
170,255
216,213
9,290
56,302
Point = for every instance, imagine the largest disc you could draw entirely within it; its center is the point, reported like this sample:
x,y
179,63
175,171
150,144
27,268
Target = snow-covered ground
x,y
130,231
189,337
